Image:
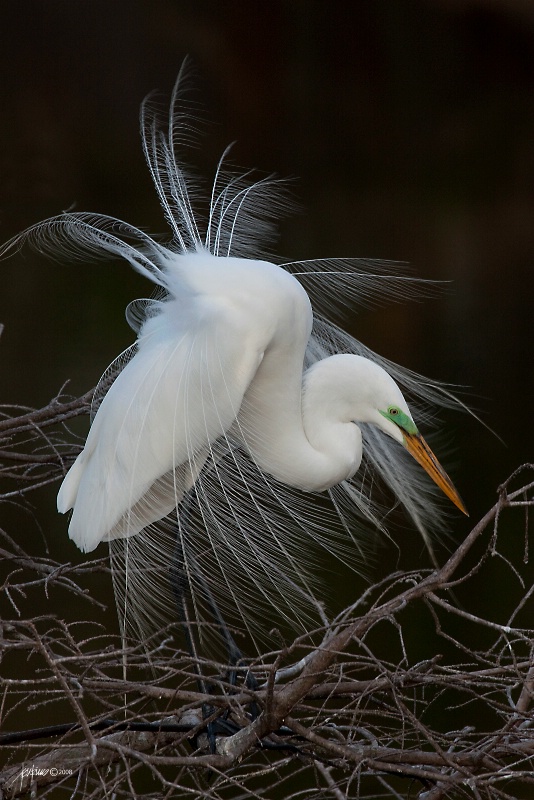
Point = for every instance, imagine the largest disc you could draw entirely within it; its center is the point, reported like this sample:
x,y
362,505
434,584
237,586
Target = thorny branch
x,y
445,714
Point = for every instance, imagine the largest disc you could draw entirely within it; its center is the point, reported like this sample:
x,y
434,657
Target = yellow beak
x,y
418,448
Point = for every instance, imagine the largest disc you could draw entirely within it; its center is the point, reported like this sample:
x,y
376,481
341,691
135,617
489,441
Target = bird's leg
x,y
180,587
180,580
234,652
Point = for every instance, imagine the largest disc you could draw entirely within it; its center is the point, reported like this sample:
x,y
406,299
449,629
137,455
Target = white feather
x,y
231,408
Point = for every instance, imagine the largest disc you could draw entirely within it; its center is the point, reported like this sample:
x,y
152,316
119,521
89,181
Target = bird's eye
x,y
393,411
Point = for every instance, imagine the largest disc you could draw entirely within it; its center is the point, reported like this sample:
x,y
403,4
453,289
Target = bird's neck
x,y
300,441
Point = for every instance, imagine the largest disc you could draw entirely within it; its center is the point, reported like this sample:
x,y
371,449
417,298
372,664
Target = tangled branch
x,y
408,693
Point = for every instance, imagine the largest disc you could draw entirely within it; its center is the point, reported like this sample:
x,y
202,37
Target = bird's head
x,y
351,388
371,395
397,422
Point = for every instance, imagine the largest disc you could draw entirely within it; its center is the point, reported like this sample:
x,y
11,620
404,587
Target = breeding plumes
x,y
213,434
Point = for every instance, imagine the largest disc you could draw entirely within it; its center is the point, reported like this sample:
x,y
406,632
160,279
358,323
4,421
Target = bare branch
x,y
444,714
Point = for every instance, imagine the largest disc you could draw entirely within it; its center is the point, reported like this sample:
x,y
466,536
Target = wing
x,y
153,430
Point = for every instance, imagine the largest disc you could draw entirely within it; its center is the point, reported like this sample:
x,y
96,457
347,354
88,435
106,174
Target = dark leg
x,y
234,653
181,588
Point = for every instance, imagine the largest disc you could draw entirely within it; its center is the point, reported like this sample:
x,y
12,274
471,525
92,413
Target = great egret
x,y
236,395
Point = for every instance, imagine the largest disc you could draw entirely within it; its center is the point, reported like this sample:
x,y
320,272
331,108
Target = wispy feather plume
x,y
244,540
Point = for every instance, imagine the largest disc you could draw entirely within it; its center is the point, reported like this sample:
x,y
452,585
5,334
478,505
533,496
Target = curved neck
x,y
299,439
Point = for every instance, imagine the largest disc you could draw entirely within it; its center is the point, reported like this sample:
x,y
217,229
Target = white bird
x,y
236,403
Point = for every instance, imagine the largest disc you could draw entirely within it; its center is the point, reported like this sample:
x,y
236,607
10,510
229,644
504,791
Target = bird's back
x,y
196,358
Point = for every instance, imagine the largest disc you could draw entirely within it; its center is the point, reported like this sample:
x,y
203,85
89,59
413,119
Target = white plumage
x,y
233,402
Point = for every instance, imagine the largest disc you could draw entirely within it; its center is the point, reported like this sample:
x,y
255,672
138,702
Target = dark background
x,y
409,127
